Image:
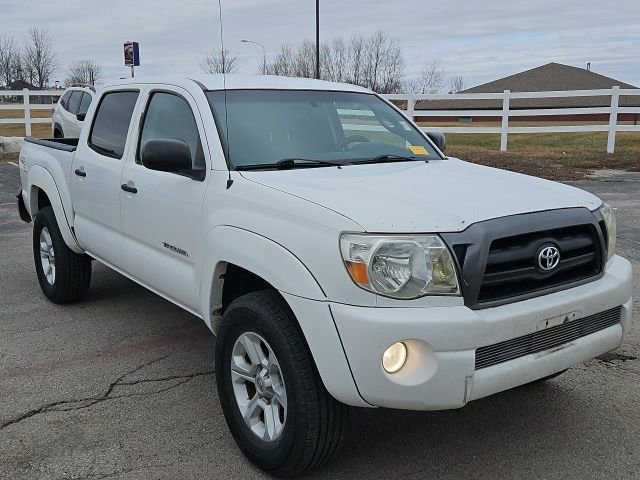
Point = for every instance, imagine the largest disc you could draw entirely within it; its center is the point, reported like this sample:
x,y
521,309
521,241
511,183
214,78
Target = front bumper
x,y
440,372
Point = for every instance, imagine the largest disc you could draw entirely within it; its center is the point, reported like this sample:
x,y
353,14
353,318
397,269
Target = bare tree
x,y
457,84
305,61
334,60
219,61
9,59
283,63
384,65
374,62
85,71
297,61
356,62
431,79
18,68
40,59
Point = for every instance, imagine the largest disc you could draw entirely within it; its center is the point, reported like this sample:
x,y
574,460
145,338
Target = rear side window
x,y
111,123
85,103
74,102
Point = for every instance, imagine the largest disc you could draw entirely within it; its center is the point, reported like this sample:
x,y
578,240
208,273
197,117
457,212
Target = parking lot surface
x,y
122,385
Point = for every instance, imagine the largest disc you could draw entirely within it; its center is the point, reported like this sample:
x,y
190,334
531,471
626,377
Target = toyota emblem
x,y
548,258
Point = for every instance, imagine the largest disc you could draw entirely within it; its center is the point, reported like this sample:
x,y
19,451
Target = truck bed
x,y
52,159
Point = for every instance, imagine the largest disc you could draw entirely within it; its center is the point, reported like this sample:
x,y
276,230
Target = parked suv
x,y
70,111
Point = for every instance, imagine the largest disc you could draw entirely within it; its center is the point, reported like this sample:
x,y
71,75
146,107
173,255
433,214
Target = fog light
x,y
394,357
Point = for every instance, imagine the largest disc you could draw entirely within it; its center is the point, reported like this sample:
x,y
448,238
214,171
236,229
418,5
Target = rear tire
x,y
313,422
64,275
57,133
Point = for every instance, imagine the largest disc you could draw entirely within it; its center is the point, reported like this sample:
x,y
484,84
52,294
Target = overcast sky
x,y
479,39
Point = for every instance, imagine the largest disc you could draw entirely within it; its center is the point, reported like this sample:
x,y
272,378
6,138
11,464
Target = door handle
x,y
128,188
80,172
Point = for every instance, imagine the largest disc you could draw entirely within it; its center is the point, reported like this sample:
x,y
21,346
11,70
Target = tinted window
x,y
74,102
85,103
111,123
64,101
170,116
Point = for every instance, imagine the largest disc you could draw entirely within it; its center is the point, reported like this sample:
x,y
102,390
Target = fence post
x,y
411,104
504,132
27,112
613,119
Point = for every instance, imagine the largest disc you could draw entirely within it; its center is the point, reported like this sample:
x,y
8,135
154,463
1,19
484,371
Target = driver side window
x,y
169,116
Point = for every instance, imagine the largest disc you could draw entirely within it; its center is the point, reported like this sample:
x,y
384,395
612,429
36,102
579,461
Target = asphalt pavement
x,y
122,386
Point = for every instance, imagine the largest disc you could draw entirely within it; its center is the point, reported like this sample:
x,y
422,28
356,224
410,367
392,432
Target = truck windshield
x,y
307,128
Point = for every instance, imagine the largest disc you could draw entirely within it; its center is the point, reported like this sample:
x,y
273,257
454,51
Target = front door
x,y
162,211
95,177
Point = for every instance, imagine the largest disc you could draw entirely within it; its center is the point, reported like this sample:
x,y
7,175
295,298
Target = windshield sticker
x,y
418,150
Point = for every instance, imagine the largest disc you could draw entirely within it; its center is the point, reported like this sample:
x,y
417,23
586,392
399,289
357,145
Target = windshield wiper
x,y
390,157
289,163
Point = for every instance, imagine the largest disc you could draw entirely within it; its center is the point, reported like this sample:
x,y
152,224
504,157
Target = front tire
x,y
266,375
64,275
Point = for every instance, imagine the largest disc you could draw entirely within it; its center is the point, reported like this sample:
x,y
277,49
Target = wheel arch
x,y
44,192
268,264
232,251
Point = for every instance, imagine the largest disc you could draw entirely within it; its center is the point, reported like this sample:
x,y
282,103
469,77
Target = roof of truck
x,y
237,82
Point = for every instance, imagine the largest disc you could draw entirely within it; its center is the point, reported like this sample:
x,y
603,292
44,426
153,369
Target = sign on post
x,y
131,55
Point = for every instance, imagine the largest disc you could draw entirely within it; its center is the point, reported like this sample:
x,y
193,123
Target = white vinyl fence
x,y
612,127
22,100
505,113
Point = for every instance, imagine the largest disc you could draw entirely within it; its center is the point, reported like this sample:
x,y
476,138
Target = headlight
x,y
610,224
400,266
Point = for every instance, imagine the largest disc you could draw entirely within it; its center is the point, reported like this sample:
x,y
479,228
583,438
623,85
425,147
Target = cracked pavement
x,y
122,386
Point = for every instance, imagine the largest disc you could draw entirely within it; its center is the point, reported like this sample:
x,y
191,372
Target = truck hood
x,y
409,197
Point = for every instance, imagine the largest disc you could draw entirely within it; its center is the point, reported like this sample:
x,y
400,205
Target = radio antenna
x,y
224,86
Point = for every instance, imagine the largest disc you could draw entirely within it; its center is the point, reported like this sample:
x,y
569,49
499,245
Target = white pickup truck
x,y
338,255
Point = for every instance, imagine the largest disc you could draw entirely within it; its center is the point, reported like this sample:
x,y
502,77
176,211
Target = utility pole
x,y
318,39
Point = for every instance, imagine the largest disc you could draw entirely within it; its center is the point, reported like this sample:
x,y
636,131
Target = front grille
x,y
545,339
511,269
497,259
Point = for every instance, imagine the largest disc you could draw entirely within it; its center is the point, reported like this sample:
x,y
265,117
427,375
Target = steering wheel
x,y
352,139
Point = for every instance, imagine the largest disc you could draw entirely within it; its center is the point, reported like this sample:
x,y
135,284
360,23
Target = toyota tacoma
x,y
341,259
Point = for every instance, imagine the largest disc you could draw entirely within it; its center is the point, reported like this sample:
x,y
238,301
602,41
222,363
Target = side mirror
x,y
81,116
439,139
168,155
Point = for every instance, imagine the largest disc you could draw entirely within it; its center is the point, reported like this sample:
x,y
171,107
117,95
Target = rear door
x,y
95,178
162,220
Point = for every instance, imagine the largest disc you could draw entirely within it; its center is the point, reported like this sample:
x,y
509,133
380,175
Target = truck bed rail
x,y
65,144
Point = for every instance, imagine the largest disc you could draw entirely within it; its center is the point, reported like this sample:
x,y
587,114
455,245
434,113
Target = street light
x,y
264,55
